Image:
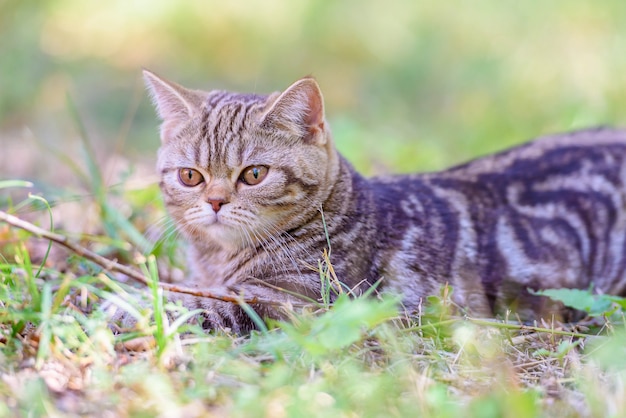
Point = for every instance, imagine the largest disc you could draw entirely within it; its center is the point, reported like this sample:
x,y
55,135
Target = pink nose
x,y
216,204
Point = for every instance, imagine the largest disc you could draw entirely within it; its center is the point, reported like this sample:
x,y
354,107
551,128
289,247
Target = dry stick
x,y
111,265
521,327
501,325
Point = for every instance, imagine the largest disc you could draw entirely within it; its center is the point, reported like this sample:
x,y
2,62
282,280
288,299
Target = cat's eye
x,y
253,175
190,177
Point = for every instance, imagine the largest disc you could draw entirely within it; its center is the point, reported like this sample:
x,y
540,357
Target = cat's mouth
x,y
218,222
226,235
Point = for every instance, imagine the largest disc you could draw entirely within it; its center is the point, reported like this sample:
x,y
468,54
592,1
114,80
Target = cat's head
x,y
239,169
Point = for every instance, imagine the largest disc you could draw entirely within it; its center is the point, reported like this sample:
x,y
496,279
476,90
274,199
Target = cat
x,y
257,188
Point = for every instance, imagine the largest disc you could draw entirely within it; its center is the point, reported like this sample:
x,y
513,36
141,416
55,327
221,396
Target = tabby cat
x,y
257,188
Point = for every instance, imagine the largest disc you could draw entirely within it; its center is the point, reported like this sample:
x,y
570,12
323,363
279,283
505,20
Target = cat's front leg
x,y
259,301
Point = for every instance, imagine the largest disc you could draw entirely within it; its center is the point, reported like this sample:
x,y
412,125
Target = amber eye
x,y
253,175
190,177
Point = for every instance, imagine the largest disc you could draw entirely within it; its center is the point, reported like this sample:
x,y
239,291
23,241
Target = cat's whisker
x,y
281,249
170,233
276,248
241,219
273,231
274,253
161,230
245,234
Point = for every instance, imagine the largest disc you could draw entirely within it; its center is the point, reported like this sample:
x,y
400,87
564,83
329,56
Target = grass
x,y
355,357
408,86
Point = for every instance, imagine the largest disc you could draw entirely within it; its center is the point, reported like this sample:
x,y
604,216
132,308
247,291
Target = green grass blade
x,y
45,327
174,327
258,321
24,257
97,182
5,184
121,223
49,209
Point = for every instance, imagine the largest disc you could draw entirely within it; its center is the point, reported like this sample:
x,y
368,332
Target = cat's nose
x,y
216,204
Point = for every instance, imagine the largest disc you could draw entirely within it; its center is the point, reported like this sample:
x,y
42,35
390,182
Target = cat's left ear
x,y
299,110
174,103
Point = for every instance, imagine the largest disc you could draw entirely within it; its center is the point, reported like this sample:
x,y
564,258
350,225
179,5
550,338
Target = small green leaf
x,y
5,184
344,324
582,300
618,300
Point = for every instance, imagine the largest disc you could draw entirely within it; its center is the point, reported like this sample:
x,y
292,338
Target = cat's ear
x,y
174,103
299,110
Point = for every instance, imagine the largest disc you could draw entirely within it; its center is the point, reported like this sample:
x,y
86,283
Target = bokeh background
x,y
409,85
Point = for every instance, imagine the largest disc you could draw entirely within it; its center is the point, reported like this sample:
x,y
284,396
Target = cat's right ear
x,y
174,103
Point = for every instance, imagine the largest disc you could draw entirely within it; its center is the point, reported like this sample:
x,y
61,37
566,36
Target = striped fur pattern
x,y
547,214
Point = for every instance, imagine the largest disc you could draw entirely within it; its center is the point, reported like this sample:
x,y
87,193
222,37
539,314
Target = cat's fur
x,y
547,214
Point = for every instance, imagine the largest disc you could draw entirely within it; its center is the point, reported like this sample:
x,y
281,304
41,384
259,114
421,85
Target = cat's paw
x,y
224,316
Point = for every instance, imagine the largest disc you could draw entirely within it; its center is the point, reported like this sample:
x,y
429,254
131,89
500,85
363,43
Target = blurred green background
x,y
409,85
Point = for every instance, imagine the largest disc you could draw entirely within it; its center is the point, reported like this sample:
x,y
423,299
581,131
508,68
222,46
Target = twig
x,y
521,327
114,266
501,325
